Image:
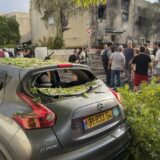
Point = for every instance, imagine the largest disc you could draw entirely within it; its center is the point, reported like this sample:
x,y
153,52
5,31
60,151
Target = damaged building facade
x,y
120,22
117,21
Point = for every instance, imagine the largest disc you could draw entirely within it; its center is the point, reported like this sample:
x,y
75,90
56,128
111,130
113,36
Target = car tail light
x,y
116,95
66,65
40,117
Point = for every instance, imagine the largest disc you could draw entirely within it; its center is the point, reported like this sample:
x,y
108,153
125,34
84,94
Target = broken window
x,y
113,38
101,11
125,5
125,17
139,16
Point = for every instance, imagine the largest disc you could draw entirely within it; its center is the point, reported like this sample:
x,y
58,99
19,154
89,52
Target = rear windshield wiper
x,y
91,88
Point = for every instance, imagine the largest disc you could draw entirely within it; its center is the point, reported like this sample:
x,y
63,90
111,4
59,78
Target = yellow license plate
x,y
97,119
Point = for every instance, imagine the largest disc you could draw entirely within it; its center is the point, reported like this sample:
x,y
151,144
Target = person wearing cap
x,y
117,63
140,64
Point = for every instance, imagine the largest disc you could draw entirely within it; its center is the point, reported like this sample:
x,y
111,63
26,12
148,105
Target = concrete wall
x,y
77,34
38,28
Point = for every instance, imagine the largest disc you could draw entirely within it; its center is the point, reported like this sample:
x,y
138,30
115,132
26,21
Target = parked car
x,y
58,111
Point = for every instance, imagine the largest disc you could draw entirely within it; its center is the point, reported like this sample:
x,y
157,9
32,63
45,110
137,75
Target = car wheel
x,y
2,156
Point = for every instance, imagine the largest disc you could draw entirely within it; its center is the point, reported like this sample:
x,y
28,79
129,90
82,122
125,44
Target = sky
x,y
7,6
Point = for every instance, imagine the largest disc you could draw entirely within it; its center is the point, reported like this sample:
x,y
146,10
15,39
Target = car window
x,y
70,78
67,76
64,78
63,81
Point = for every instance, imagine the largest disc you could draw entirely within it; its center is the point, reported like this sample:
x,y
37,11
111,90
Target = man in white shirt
x,y
117,62
82,57
157,62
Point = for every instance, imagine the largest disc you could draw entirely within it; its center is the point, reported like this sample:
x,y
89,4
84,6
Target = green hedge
x,y
143,116
8,46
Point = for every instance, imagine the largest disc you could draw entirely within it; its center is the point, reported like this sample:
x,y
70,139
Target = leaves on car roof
x,y
28,62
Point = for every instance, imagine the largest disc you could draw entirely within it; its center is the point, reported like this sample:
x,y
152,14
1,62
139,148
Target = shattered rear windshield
x,y
63,82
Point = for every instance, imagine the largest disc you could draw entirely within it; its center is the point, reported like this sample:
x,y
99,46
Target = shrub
x,y
51,42
58,42
46,42
143,116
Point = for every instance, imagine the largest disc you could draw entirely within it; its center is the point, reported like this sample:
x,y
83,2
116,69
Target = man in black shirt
x,y
140,64
73,57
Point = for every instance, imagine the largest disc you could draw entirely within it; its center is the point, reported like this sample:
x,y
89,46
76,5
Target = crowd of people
x,y
136,63
80,56
18,52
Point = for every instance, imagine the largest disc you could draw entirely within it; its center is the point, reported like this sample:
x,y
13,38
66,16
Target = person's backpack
x,y
1,54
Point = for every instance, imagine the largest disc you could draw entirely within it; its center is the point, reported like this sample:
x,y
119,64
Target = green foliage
x,y
87,3
8,46
58,43
143,114
46,42
9,31
28,62
51,43
146,22
80,89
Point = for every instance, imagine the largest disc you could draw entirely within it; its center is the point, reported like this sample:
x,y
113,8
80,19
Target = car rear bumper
x,y
107,147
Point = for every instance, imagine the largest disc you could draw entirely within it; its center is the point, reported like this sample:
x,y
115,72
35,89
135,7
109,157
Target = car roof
x,y
33,63
28,62
24,65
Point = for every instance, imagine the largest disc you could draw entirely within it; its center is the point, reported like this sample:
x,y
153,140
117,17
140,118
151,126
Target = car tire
x,y
2,156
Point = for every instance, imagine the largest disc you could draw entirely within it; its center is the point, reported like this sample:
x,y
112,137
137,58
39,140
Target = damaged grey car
x,y
58,111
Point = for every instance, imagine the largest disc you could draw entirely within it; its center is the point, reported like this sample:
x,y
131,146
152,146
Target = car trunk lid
x,y
71,127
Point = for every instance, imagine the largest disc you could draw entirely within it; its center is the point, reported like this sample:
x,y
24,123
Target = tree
x,y
62,10
88,3
146,22
149,21
9,31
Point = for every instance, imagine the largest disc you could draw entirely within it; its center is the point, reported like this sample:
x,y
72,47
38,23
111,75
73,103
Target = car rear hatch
x,y
85,110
